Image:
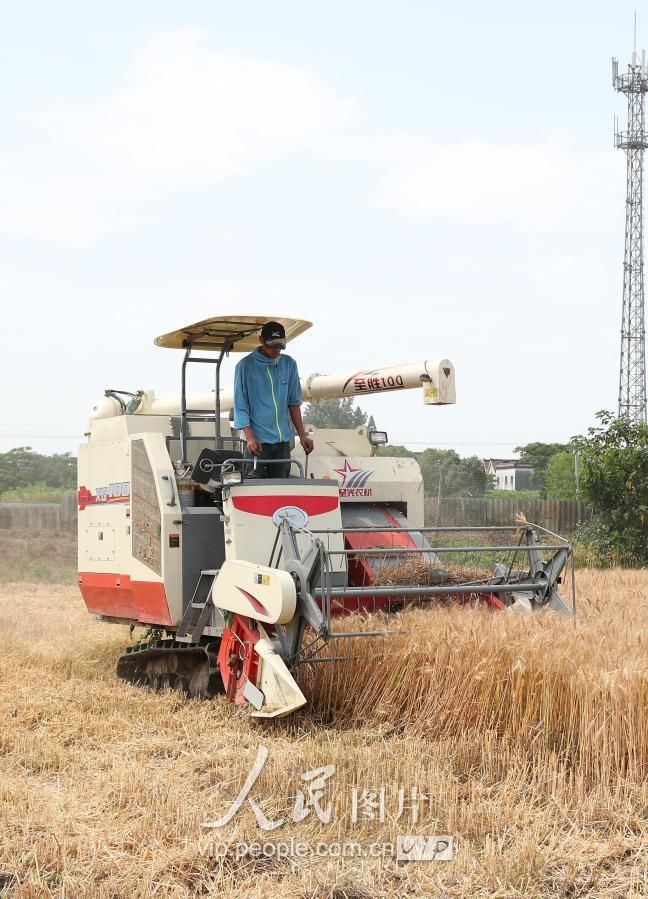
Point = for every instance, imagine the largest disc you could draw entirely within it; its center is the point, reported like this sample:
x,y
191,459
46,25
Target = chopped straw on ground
x,y
527,736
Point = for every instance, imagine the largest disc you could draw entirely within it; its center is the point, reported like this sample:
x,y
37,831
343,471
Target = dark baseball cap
x,y
274,335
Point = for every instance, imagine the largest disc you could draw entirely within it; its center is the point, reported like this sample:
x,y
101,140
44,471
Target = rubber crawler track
x,y
191,668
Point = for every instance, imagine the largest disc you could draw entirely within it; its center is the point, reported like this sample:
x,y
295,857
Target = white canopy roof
x,y
242,331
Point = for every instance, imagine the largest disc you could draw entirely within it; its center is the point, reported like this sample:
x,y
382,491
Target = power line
x,y
516,441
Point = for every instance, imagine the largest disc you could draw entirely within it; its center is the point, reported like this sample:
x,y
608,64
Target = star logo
x,y
353,477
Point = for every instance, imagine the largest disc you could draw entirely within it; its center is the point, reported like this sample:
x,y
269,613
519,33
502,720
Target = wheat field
x,y
525,738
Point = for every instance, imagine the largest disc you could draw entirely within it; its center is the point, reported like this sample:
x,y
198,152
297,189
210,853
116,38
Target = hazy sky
x,y
419,179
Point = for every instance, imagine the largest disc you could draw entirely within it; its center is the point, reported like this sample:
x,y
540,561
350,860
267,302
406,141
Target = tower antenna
x,y
632,369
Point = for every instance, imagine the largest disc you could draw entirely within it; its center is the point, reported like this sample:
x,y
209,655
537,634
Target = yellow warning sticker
x,y
430,391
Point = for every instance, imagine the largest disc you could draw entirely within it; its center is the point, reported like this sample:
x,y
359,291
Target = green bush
x,y
35,493
614,479
513,494
397,450
594,547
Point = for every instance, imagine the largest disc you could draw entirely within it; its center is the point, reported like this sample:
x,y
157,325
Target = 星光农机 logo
x,y
354,480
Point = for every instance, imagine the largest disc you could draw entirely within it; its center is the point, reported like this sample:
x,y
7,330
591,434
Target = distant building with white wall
x,y
510,474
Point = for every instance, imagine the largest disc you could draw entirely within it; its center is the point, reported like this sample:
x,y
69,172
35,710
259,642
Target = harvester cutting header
x,y
246,574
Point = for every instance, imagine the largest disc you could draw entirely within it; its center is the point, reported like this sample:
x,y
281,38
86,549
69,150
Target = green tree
x,y
458,477
474,480
21,467
538,455
561,476
613,477
335,413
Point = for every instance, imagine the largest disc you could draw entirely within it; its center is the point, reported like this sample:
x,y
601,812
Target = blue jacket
x,y
264,388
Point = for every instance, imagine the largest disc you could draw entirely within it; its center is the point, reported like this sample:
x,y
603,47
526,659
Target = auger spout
x,y
436,380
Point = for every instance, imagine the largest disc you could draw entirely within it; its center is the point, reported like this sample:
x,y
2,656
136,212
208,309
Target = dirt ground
x,y
35,556
105,788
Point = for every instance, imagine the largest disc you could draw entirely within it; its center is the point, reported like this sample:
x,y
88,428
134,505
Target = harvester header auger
x,y
244,578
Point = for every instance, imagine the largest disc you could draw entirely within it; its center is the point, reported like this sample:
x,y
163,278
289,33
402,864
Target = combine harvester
x,y
247,576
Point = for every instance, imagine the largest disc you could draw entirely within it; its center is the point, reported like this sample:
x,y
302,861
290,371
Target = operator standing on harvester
x,y
267,404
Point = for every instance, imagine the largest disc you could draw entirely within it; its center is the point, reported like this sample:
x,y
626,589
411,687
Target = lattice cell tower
x,y
632,375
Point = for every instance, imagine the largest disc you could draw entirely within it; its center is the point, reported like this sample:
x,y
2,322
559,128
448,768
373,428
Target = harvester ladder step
x,y
198,612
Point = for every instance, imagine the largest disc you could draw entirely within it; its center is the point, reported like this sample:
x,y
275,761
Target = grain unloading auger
x,y
248,577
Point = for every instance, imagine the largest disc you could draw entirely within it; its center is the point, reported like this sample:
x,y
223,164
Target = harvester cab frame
x,y
222,335
242,579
